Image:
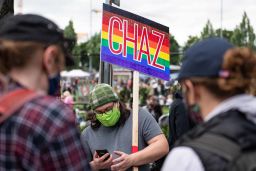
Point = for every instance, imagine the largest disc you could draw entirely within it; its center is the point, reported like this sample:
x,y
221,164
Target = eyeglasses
x,y
106,110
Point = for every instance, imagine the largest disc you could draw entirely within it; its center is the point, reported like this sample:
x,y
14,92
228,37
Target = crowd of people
x,y
211,109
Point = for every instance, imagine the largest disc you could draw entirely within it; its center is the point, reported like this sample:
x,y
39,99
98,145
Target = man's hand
x,y
123,162
100,163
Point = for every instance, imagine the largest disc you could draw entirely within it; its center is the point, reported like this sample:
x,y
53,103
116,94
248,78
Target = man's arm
x,y
157,144
157,148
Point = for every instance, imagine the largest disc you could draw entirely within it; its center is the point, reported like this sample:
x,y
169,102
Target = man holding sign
x,y
108,140
142,45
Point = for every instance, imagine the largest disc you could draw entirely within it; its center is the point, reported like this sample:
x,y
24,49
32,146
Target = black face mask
x,y
194,113
54,85
194,110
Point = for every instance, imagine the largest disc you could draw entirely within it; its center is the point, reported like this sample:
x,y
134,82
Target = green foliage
x,y
87,50
244,34
69,31
191,40
70,34
165,130
208,31
84,58
84,51
93,49
143,95
93,45
165,109
80,53
125,95
225,33
174,51
76,55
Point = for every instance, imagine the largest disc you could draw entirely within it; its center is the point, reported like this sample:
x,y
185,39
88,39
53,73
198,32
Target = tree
x,y
174,51
84,58
208,30
227,34
69,33
77,51
93,49
244,34
191,40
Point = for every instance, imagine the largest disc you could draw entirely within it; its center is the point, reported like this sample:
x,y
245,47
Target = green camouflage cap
x,y
102,94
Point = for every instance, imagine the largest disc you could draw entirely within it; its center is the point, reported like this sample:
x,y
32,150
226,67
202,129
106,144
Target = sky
x,y
183,17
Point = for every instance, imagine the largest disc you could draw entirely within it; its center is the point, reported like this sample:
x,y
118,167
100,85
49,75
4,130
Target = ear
x,y
190,92
50,56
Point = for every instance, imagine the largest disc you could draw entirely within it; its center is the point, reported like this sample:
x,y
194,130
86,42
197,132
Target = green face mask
x,y
109,118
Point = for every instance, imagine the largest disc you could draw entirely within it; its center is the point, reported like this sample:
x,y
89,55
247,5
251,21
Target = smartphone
x,y
102,152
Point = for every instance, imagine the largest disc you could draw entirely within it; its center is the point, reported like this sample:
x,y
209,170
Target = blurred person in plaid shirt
x,y
40,134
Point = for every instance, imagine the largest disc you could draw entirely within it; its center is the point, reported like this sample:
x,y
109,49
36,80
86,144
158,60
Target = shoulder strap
x,y
216,144
12,101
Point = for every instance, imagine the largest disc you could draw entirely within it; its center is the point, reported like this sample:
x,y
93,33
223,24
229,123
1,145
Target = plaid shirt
x,y
42,135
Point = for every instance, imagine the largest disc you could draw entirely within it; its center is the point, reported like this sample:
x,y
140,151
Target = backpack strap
x,y
13,100
216,144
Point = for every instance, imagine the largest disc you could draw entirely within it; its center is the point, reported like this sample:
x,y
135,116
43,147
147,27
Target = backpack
x,y
12,101
238,159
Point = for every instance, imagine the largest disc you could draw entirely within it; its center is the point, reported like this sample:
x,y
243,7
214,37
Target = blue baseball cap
x,y
204,59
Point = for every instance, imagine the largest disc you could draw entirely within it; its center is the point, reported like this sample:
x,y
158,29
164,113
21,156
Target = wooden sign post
x,y
136,43
135,111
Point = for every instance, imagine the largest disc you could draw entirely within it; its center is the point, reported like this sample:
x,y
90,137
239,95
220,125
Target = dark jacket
x,y
232,125
178,119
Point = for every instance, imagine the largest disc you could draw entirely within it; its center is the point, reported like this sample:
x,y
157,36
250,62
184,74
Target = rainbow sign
x,y
134,42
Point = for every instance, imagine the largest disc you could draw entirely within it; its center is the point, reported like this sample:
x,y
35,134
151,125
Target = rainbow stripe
x,y
154,41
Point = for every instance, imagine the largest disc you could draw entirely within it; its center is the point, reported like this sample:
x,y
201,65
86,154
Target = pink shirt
x,y
69,101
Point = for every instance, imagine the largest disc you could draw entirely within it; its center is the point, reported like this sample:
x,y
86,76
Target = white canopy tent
x,y
75,73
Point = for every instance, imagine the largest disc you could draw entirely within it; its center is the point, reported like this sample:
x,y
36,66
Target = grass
x,y
165,110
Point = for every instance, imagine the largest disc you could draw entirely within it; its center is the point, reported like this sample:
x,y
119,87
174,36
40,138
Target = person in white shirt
x,y
217,80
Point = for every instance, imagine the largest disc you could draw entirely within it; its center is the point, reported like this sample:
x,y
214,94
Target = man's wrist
x,y
93,166
133,159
